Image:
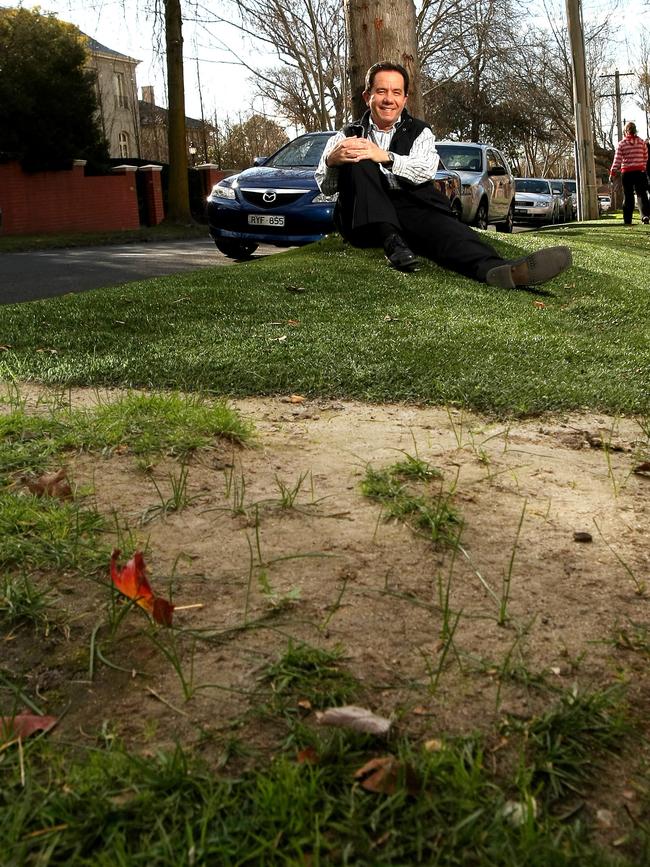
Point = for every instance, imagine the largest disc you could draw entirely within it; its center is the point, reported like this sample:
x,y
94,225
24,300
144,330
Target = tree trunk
x,y
178,206
382,30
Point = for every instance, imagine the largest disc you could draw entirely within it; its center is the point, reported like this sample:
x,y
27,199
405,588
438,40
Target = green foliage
x,y
107,807
41,533
366,331
47,98
146,425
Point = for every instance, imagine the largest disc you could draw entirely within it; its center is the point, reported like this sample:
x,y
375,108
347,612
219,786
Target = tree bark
x,y
178,205
382,30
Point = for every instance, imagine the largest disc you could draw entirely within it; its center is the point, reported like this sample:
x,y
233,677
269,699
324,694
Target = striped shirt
x,y
418,166
631,155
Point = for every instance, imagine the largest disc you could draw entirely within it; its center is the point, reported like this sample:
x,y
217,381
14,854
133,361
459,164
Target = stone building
x,y
117,96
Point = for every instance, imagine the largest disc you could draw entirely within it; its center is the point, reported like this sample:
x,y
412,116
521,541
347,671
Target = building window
x,y
121,98
124,144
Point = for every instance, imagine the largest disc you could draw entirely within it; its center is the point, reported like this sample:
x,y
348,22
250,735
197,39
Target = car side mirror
x,y
259,161
497,171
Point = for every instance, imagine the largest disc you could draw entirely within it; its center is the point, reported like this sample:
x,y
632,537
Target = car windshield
x,y
460,158
572,185
301,153
531,185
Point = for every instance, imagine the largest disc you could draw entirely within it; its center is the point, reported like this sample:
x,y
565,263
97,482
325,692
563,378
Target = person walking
x,y
631,160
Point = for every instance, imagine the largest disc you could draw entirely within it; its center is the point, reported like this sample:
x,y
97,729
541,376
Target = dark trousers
x,y
635,181
427,224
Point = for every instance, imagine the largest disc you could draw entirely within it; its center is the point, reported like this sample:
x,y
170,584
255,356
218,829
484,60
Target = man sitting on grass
x,y
382,167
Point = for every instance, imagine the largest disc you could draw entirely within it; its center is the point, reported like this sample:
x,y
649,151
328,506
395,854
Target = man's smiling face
x,y
386,98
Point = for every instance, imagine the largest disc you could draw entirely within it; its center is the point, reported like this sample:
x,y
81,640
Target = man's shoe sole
x,y
540,267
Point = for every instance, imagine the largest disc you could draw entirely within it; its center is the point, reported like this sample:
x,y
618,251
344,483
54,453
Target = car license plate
x,y
265,220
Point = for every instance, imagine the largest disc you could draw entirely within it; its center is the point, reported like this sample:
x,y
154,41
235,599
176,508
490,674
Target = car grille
x,y
524,204
272,198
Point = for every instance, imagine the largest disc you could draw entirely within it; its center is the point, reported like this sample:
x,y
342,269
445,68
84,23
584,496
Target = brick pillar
x,y
210,175
153,194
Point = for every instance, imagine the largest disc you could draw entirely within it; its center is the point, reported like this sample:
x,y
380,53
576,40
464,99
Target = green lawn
x,y
362,330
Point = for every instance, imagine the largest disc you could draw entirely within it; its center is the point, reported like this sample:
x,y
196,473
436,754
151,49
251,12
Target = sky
x,y
128,26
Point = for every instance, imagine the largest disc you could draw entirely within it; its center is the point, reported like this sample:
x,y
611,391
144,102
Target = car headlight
x,y
321,198
219,191
546,201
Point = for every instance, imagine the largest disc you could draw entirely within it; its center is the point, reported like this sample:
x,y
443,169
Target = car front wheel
x,y
509,221
481,218
236,249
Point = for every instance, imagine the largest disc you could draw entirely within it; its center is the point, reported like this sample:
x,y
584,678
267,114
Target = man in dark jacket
x,y
382,168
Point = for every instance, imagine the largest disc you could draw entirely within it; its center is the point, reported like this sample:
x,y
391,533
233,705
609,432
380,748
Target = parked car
x,y
278,202
604,203
561,189
488,191
535,202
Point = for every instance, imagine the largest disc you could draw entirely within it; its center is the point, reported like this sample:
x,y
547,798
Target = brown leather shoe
x,y
530,270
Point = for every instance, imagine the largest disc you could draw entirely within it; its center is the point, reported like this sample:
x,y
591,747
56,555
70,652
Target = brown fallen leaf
x,y
642,469
297,398
358,718
539,304
51,485
23,725
385,774
305,704
294,323
308,756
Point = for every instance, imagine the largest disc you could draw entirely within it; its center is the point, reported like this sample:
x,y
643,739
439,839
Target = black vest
x,y
406,132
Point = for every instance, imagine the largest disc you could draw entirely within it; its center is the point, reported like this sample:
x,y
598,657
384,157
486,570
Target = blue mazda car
x,y
278,201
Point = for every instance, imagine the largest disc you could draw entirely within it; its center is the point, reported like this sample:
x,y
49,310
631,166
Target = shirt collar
x,y
375,128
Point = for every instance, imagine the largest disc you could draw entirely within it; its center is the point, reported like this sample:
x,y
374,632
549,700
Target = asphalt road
x,y
46,273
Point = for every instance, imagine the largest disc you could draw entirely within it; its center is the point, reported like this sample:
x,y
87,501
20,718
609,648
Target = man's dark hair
x,y
386,66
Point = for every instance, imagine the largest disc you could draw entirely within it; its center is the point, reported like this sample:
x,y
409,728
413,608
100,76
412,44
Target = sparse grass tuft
x,y
311,673
42,533
21,601
565,745
429,513
146,425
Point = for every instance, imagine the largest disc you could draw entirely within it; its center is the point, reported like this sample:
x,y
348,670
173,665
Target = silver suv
x,y
488,191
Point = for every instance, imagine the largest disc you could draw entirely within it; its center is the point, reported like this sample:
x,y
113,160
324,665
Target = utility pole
x,y
586,167
617,96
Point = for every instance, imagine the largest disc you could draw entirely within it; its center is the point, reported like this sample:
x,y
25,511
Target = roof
x,y
97,48
156,114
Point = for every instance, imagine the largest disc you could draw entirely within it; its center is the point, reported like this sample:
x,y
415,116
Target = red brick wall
x,y
65,201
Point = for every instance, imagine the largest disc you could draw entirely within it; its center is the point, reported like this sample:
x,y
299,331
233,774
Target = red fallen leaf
x,y
308,756
539,304
24,724
643,469
383,775
163,611
132,582
51,485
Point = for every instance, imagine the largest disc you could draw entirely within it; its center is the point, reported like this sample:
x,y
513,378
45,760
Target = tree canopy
x,y
48,105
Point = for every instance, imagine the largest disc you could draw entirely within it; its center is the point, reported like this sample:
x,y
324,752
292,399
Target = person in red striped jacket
x,y
631,160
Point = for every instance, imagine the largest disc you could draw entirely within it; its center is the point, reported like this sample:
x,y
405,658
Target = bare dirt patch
x,y
279,545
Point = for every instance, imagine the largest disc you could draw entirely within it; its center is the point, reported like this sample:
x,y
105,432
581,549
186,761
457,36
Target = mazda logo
x,y
269,196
